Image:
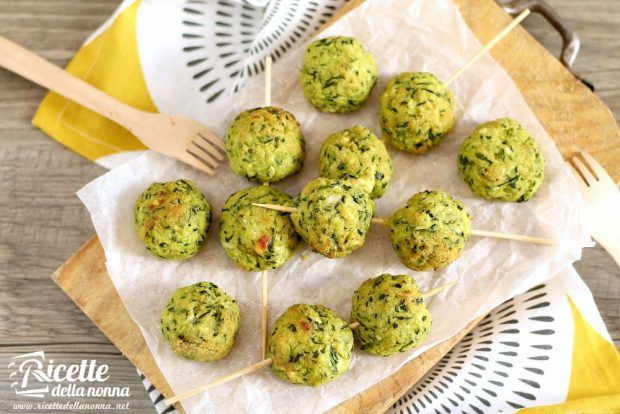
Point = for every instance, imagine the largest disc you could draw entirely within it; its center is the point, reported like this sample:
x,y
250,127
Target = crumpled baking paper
x,y
403,35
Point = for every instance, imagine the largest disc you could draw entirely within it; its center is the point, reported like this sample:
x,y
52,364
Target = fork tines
x,y
590,171
201,148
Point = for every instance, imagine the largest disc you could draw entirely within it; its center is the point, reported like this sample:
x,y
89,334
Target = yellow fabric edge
x,y
595,374
111,63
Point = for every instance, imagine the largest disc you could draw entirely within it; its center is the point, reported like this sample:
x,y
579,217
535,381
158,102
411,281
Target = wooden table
x,y
42,222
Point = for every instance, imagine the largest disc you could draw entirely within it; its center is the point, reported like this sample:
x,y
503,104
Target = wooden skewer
x,y
284,209
268,81
255,367
221,380
489,45
438,289
517,237
263,315
480,233
264,280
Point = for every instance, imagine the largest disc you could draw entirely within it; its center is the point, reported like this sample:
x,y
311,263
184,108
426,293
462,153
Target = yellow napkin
x,y
110,62
595,375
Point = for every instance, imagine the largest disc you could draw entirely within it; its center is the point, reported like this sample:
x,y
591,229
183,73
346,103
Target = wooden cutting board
x,y
571,114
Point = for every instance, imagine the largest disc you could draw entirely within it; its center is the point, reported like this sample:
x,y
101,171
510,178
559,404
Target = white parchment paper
x,y
403,35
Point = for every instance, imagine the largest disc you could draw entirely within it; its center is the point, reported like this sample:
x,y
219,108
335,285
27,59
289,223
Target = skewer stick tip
x,y
268,81
220,380
516,237
438,289
489,45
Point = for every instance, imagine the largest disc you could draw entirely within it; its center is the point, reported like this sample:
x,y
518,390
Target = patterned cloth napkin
x,y
546,349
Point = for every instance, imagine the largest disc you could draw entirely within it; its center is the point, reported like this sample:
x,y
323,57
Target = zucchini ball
x,y
357,156
332,216
310,345
172,219
416,111
200,322
338,74
265,144
392,315
501,161
431,231
257,238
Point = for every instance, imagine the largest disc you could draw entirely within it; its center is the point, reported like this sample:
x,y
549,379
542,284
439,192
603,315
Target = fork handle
x,y
38,70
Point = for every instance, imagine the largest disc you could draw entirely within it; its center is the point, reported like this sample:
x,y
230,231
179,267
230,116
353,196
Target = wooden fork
x,y
176,136
602,199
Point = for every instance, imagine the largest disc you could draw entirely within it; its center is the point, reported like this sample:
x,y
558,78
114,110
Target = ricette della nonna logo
x,y
33,375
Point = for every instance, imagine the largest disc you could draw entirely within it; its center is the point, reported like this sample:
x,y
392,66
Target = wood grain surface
x,y
42,222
